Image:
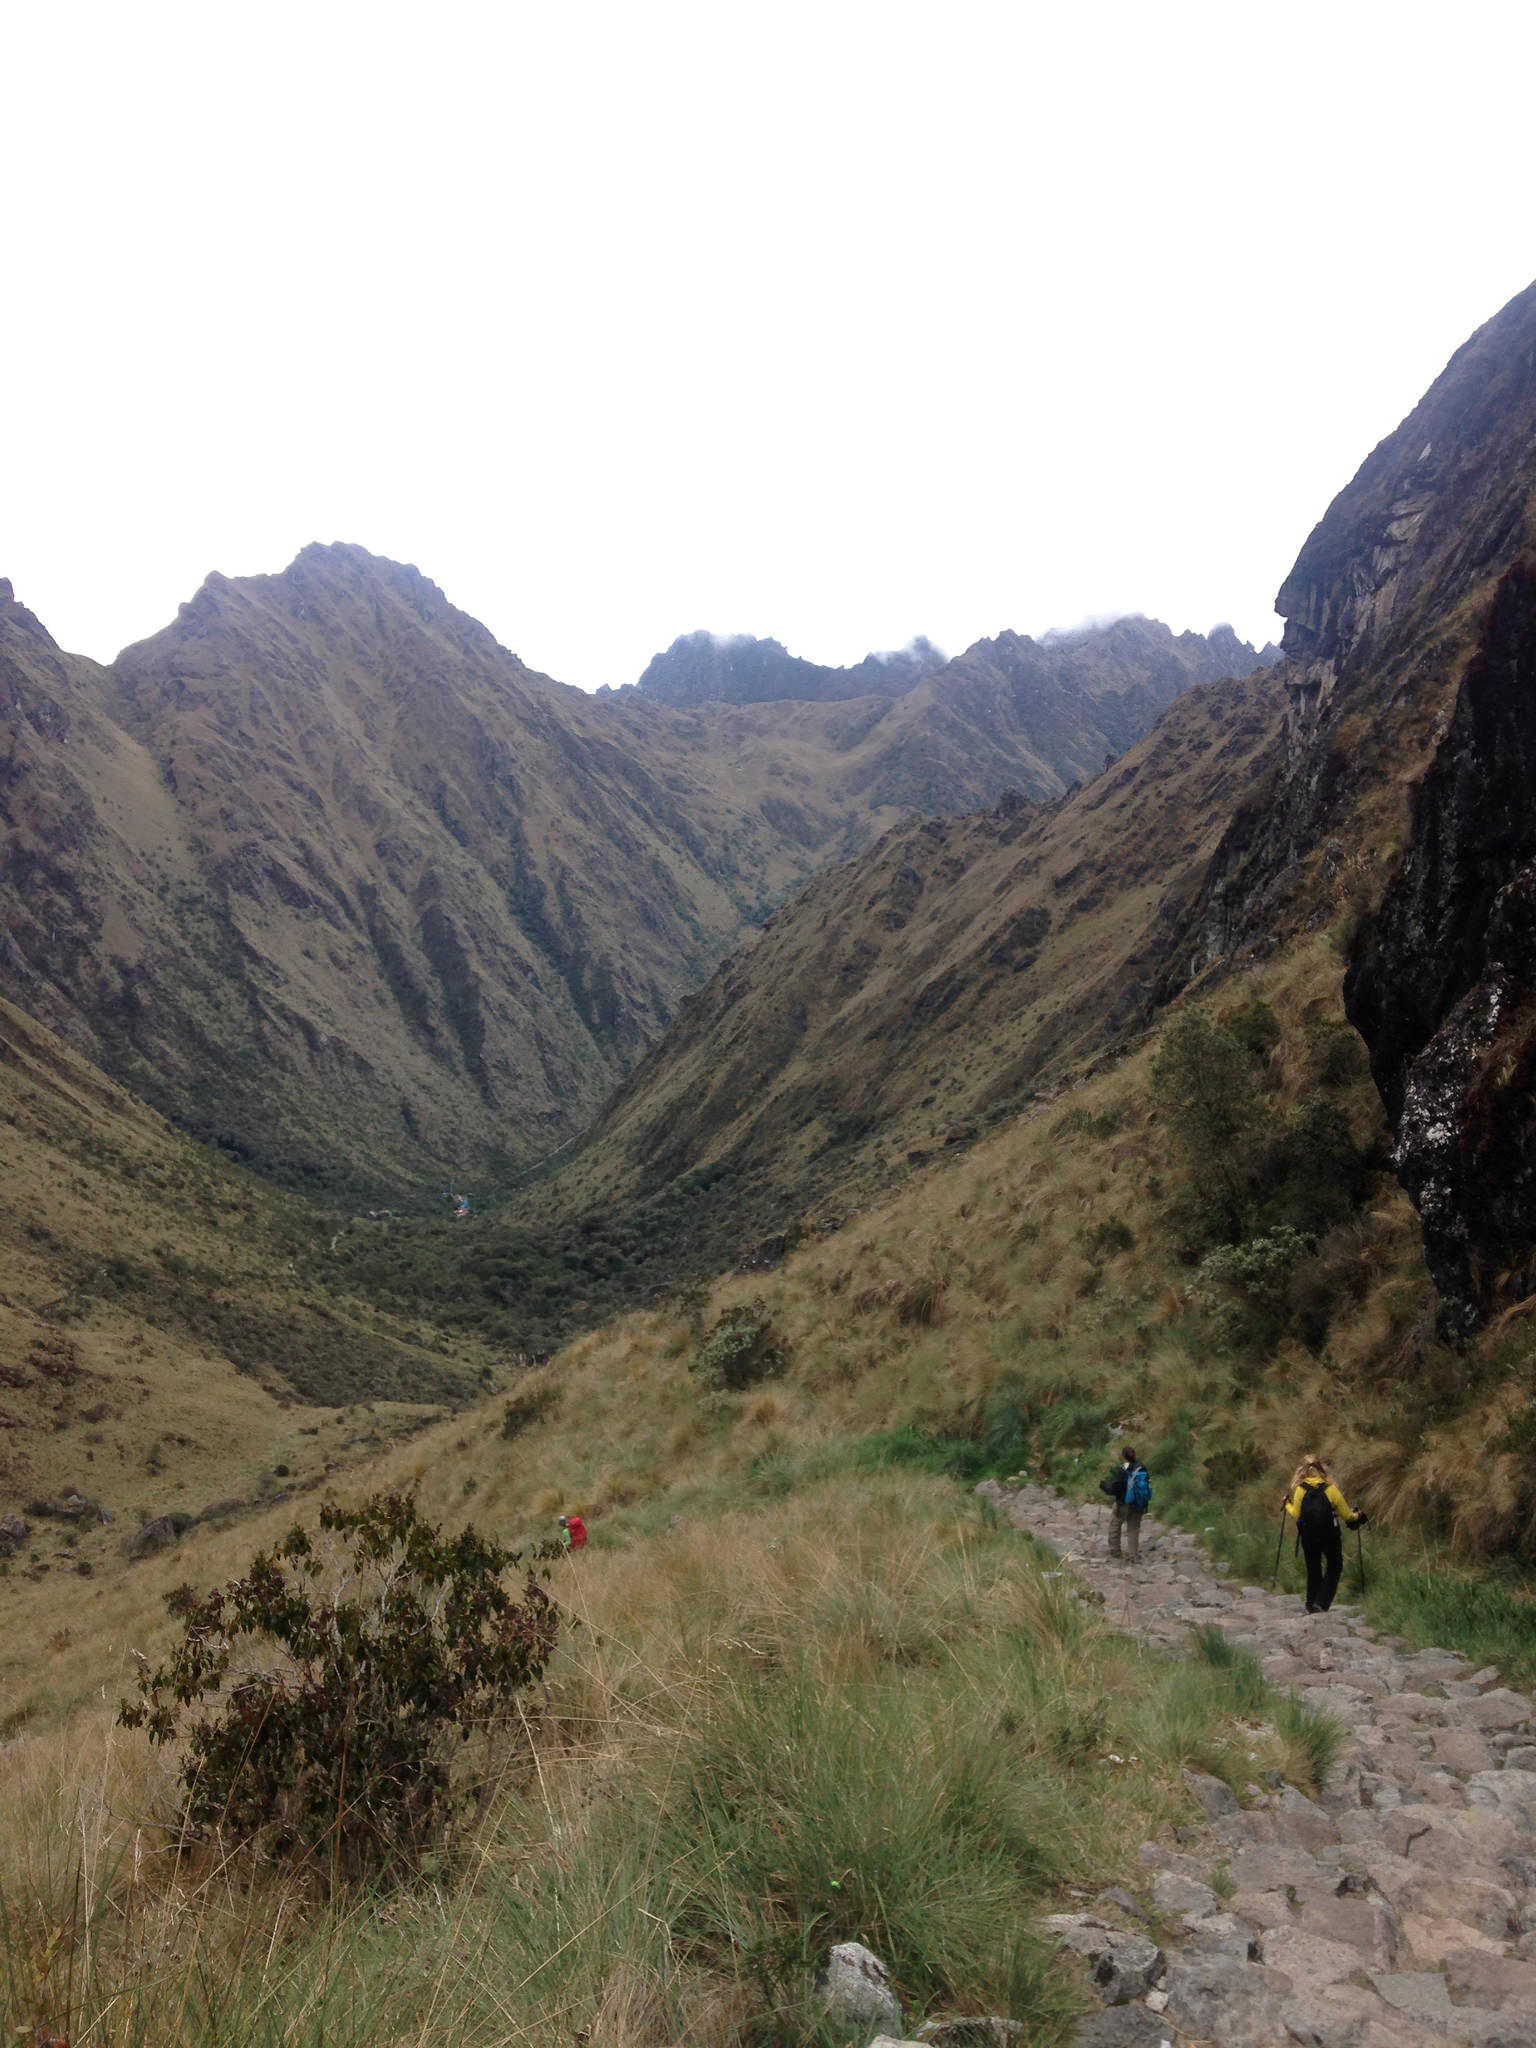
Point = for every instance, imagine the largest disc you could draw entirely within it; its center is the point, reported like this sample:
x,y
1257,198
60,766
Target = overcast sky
x,y
839,322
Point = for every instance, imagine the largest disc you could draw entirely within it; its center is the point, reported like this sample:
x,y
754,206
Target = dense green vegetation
x,y
530,1284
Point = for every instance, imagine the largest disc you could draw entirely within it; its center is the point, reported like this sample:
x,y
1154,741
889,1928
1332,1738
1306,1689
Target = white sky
x,y
839,321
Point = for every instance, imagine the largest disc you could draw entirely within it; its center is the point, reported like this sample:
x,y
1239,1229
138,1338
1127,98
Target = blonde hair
x,y
1311,1467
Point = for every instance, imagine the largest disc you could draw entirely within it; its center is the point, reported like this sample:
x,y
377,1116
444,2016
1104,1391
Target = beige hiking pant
x,y
1130,1520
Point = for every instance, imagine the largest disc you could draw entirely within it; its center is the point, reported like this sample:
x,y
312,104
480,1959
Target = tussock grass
x,y
859,1711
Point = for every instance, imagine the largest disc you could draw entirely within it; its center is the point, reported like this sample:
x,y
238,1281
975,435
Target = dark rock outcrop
x,y
1443,983
1408,680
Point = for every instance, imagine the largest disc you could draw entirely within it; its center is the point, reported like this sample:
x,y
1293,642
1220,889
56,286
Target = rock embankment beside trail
x,y
1397,1910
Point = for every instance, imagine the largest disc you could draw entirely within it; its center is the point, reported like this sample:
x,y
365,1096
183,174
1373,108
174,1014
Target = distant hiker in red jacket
x,y
573,1532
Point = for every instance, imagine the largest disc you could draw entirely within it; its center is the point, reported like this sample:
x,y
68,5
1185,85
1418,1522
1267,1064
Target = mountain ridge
x,y
1409,596
337,882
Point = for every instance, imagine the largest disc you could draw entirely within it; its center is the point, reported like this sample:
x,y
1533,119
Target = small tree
x,y
1244,1289
346,1673
1205,1083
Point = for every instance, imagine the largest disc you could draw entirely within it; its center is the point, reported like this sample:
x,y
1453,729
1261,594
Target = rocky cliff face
x,y
1383,611
1381,779
1403,792
1443,984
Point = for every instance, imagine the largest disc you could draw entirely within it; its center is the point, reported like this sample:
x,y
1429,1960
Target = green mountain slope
x,y
341,886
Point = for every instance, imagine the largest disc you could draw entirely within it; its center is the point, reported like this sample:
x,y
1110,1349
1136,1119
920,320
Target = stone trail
x,y
1397,1910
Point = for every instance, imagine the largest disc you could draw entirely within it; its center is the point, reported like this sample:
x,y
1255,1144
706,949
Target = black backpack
x,y
1316,1517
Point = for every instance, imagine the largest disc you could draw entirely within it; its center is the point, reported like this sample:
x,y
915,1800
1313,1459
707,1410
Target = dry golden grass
x,y
868,1653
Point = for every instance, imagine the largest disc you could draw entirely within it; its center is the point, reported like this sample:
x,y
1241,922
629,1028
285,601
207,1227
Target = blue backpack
x,y
1138,1491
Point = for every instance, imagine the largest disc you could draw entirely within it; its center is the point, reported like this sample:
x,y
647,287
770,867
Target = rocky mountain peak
x,y
1430,511
739,668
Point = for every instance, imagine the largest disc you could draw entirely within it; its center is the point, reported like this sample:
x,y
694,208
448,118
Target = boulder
x,y
1216,1998
1478,1976
1309,1959
1172,1894
1116,1895
158,1534
855,1988
1342,2016
1213,1795
1224,1934
1494,1712
1121,1966
13,1532
1122,2026
1300,1823
1127,1969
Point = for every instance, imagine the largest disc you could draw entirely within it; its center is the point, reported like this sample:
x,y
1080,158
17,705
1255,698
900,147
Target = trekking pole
x,y
1360,1555
1274,1575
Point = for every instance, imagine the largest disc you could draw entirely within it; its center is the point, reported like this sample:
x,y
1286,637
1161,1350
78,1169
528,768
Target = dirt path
x,y
1398,1909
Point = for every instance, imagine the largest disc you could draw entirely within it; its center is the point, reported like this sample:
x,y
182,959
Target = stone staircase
x,y
1395,1911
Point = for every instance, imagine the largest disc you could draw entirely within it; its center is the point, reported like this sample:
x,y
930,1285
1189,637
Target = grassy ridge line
x,y
862,1711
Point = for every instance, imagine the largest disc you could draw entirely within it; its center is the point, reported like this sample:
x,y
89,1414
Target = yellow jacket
x,y
1336,1501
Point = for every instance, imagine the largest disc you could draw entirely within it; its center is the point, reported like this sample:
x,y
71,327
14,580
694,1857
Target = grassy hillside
x,y
814,1691
910,998
347,890
170,1342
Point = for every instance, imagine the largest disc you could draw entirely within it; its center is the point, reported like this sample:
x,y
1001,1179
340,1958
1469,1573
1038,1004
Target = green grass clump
x,y
1312,1737
1488,1615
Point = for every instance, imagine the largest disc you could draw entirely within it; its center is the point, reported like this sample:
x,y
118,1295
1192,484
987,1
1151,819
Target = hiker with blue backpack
x,y
1130,1489
1318,1508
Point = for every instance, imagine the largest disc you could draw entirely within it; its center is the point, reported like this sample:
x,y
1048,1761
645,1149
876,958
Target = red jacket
x,y
578,1529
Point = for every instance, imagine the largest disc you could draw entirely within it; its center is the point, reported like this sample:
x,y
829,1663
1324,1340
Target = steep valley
x,y
346,890
1191,1104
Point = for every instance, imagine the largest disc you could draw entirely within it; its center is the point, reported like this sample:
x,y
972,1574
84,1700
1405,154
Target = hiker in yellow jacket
x,y
1317,1508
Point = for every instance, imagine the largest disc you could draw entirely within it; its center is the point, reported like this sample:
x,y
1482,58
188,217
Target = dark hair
x,y
1128,1454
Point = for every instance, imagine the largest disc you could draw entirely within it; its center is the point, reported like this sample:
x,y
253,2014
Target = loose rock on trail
x,y
1396,1910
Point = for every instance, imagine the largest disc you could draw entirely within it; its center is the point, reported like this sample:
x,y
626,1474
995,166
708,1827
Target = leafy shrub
x,y
1256,1029
370,1660
1313,1171
1244,1289
1247,1171
1204,1083
1110,1236
1339,1053
741,1349
527,1408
